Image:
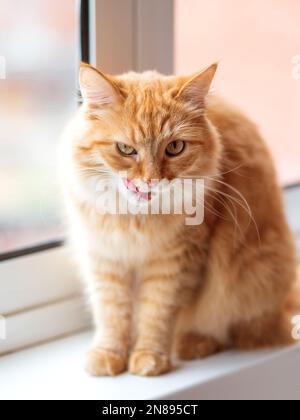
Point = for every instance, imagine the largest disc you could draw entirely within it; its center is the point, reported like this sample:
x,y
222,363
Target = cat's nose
x,y
140,185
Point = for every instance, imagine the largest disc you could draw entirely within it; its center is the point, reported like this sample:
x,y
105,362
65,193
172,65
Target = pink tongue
x,y
132,187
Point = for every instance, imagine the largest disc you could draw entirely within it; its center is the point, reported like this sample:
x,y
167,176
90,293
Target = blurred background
x,y
38,41
255,43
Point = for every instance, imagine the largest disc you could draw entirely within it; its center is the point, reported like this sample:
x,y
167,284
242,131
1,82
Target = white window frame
x,y
40,293
132,35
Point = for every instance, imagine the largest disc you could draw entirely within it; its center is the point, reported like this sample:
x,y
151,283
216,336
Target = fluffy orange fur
x,y
156,285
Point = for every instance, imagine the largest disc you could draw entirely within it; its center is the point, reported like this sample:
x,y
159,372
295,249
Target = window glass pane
x,y
37,96
257,43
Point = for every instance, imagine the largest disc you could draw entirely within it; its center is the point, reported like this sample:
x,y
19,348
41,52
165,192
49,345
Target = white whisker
x,y
241,201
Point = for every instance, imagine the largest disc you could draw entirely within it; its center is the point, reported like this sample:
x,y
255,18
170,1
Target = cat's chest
x,y
133,243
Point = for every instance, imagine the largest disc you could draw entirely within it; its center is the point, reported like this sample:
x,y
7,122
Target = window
x,y
39,52
38,48
39,296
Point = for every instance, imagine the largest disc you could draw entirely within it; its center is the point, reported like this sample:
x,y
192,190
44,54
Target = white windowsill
x,y
55,371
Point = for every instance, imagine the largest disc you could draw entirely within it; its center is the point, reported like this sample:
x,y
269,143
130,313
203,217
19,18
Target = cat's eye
x,y
126,150
175,148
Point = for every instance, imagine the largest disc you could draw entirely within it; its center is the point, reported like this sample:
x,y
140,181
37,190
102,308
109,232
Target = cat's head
x,y
149,126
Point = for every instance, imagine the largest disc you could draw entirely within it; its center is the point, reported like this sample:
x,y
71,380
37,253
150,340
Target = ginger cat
x,y
158,286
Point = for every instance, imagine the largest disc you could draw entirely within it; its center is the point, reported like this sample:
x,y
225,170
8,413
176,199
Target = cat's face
x,y
141,129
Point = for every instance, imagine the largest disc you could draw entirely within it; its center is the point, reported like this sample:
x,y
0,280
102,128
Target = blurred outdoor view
x,y
258,46
38,43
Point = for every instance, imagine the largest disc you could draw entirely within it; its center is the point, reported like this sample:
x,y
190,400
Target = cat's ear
x,y
98,90
196,88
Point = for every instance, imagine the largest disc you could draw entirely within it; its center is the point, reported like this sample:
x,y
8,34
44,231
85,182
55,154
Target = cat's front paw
x,y
102,362
149,363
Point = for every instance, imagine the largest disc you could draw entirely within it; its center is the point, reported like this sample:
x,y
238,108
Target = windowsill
x,y
55,371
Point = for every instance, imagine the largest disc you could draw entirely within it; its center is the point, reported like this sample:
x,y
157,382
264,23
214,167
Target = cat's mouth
x,y
142,193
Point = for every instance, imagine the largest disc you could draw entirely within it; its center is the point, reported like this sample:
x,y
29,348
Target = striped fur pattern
x,y
158,287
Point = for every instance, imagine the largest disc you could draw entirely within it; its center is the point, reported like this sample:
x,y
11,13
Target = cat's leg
x,y
110,292
250,289
151,353
263,317
270,329
159,297
192,346
267,331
